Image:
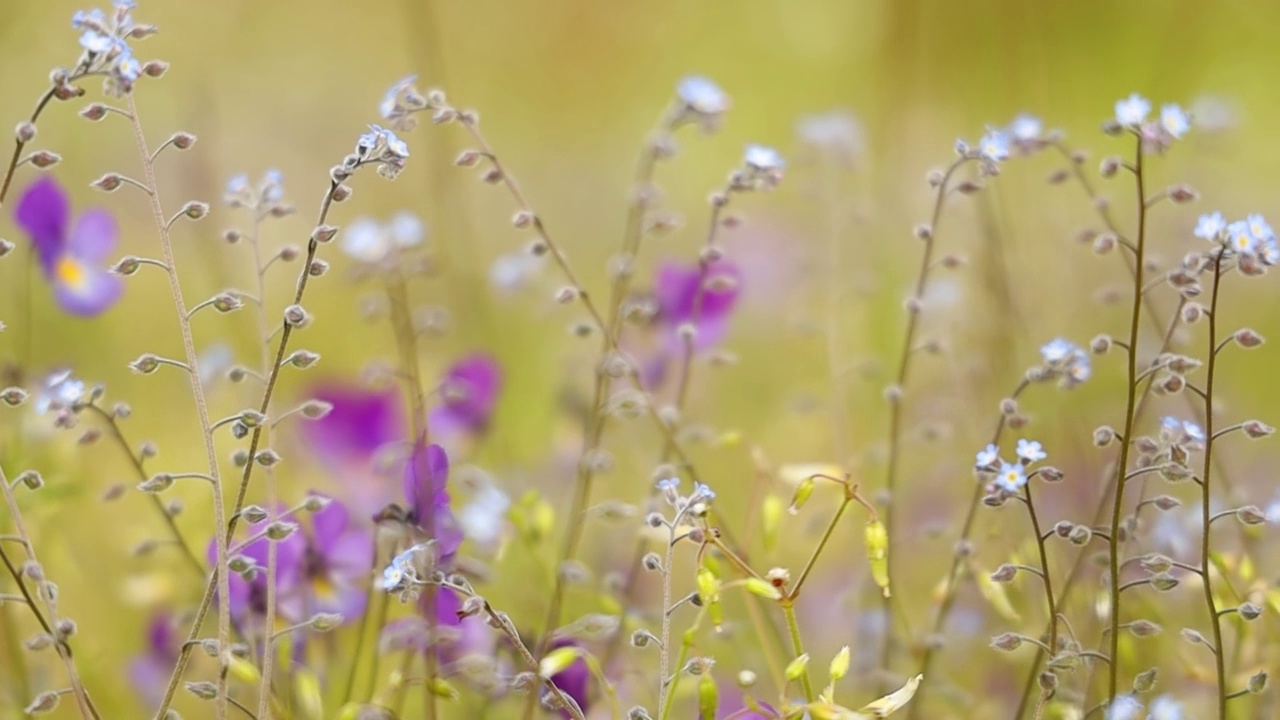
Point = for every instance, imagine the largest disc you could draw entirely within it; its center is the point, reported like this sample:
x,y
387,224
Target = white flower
x,y
1241,238
513,271
1209,226
1030,451
1165,708
1270,252
1011,477
395,145
238,184
994,146
92,20
482,518
60,390
407,229
702,493
365,240
1193,431
1132,111
763,159
368,141
1124,707
96,42
837,131
1259,227
1026,128
1056,351
987,456
702,96
1174,120
387,108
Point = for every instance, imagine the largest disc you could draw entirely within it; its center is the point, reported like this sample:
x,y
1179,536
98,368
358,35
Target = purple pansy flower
x,y
149,671
470,391
249,597
350,437
71,256
425,478
575,680
687,295
335,564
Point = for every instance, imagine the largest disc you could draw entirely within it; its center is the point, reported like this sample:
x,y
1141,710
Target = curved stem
x,y
1045,575
895,403
202,408
1131,402
1215,618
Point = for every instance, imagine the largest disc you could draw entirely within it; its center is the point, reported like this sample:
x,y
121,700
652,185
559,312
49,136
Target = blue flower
x,y
1210,226
1132,111
987,456
1011,477
702,96
994,146
1030,451
1174,120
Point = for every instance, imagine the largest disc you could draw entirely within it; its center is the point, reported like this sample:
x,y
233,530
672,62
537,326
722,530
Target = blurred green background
x,y
566,92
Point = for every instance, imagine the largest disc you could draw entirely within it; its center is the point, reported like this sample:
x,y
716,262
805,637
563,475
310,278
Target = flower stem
x,y
1131,405
895,403
202,408
48,624
797,645
1045,575
1211,367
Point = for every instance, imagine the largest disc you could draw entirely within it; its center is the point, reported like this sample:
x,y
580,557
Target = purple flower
x,y
470,390
350,437
704,300
425,478
575,680
336,563
70,256
248,598
149,671
733,703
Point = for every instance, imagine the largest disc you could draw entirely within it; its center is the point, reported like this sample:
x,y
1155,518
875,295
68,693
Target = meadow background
x,y
567,91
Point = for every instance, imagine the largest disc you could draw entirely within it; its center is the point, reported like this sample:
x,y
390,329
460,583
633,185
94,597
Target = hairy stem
x,y
1131,406
202,408
49,618
894,440
1215,618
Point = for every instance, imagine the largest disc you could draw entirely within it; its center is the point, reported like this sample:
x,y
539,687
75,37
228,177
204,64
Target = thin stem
x,y
1206,485
793,628
113,429
19,144
1046,576
664,662
48,623
202,409
895,404
1131,402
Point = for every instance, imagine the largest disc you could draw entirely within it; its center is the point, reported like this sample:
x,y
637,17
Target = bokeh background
x,y
566,92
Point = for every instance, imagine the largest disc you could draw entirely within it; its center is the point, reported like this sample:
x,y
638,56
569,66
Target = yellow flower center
x,y
71,273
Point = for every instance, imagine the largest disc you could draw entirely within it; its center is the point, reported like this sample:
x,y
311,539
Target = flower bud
x,y
182,140
1145,681
1249,611
267,458
1251,515
253,514
1257,429
1007,642
44,158
203,690
1247,338
195,209
296,316
93,112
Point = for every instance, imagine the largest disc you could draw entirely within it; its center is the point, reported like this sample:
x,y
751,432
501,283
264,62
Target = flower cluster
x,y
1250,241
1157,135
104,36
1009,476
1064,361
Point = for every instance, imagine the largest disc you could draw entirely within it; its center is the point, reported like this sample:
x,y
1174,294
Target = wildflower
x,y
1258,227
71,256
399,570
1011,477
686,295
370,241
97,42
351,438
702,493
400,100
336,563
994,146
575,680
761,158
425,478
470,391
702,96
60,391
1124,707
1026,129
837,132
1165,707
1029,451
248,597
1210,226
1181,432
1132,111
149,671
987,456
1174,120
1067,361
483,517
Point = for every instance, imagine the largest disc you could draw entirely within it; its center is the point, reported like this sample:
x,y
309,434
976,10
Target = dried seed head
x,y
1251,515
1247,338
1257,429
